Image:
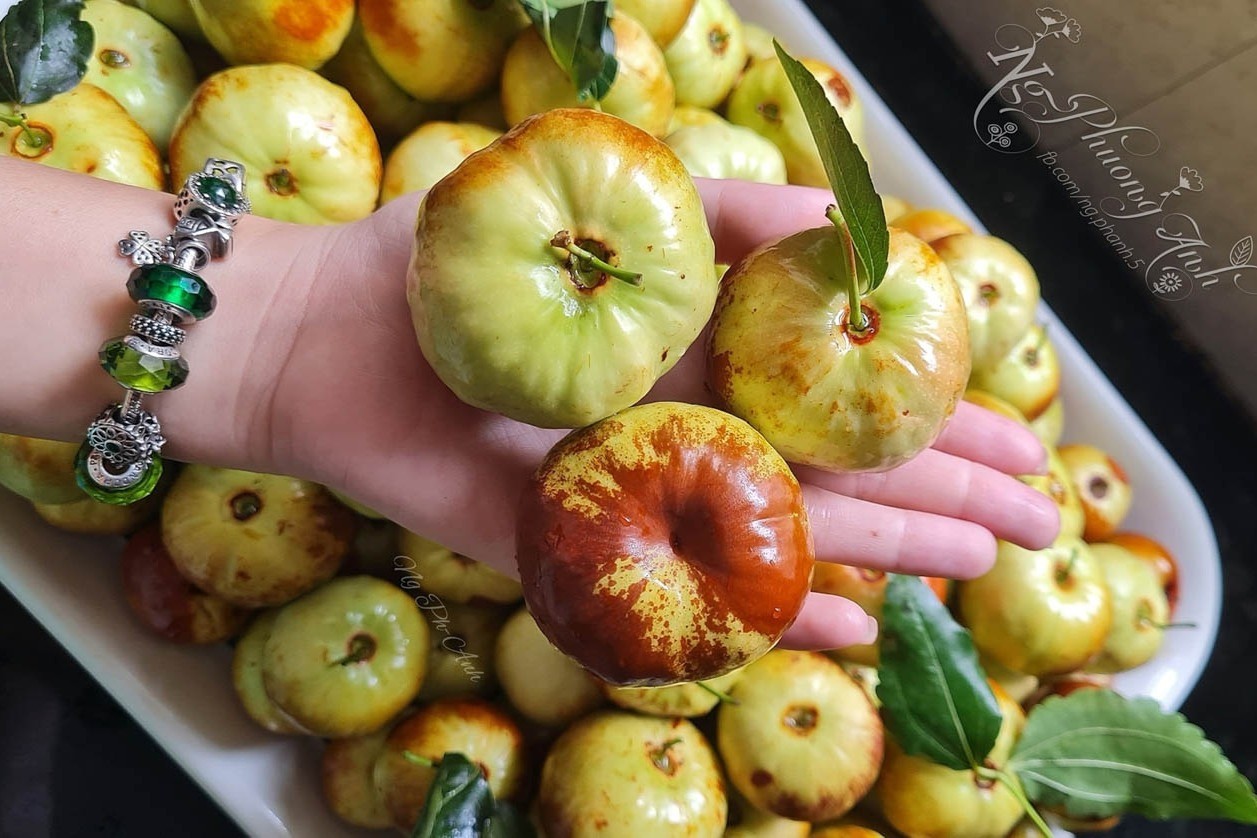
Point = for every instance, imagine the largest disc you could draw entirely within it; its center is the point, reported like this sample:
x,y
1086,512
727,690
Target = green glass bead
x,y
117,497
138,370
219,191
168,284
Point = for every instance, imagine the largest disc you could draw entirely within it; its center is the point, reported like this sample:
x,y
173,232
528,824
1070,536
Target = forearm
x,y
65,293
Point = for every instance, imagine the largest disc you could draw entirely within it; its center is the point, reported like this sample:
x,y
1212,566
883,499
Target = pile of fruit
x,y
449,694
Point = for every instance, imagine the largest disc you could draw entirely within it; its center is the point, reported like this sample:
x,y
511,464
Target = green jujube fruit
x,y
40,470
511,316
784,357
430,153
176,14
141,64
85,130
706,59
723,150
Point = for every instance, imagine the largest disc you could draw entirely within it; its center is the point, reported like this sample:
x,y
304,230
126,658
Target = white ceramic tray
x,y
269,785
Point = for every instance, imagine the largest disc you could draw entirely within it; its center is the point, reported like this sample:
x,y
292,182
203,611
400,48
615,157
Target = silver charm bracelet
x,y
120,461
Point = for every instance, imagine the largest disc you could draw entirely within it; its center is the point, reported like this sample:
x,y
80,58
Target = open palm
x,y
358,408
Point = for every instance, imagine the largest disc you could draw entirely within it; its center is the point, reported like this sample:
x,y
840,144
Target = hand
x,y
355,406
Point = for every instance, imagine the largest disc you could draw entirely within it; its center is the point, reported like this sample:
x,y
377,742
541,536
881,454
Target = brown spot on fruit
x,y
838,86
872,325
718,40
801,719
281,182
1098,487
760,778
770,111
988,294
245,505
113,59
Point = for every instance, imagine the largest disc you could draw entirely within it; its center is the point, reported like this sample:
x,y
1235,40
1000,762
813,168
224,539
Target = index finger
x,y
744,215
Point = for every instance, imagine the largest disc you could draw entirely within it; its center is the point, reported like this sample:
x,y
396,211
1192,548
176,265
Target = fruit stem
x,y
563,241
18,120
1062,573
361,648
1165,626
1014,788
724,697
855,318
411,756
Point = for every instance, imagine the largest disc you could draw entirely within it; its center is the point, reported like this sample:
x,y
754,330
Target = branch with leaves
x,y
579,37
44,48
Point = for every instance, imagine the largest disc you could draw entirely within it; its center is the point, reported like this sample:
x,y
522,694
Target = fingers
x,y
742,215
857,532
975,433
829,622
942,484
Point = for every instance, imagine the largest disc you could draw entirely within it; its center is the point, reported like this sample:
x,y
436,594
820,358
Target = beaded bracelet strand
x,y
120,461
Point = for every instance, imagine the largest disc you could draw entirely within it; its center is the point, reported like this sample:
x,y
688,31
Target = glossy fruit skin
x,y
426,567
246,678
1000,290
930,225
347,771
1041,612
87,131
1058,486
663,19
803,740
687,700
542,683
461,646
867,589
441,50
1028,377
302,32
310,153
609,775
707,57
304,666
91,517
141,64
822,395
1140,610
392,112
642,93
40,470
176,14
764,101
481,731
504,323
166,603
1157,555
1050,424
925,800
253,539
748,821
686,115
666,544
1103,489
430,153
759,43
723,150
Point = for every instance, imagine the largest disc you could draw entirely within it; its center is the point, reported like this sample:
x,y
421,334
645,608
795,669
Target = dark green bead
x,y
168,284
219,191
137,370
117,497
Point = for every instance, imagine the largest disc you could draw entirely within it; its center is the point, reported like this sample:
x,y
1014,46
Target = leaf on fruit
x,y
460,804
848,174
1094,754
44,47
935,698
578,35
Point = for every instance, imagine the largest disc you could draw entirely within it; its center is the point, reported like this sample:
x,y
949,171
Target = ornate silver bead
x,y
121,441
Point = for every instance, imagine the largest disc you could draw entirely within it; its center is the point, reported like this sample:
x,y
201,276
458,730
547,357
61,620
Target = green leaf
x,y
459,803
578,35
44,48
1095,754
848,174
935,699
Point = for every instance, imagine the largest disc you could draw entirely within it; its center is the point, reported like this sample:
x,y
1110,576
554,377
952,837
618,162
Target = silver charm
x,y
143,249
156,331
121,440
